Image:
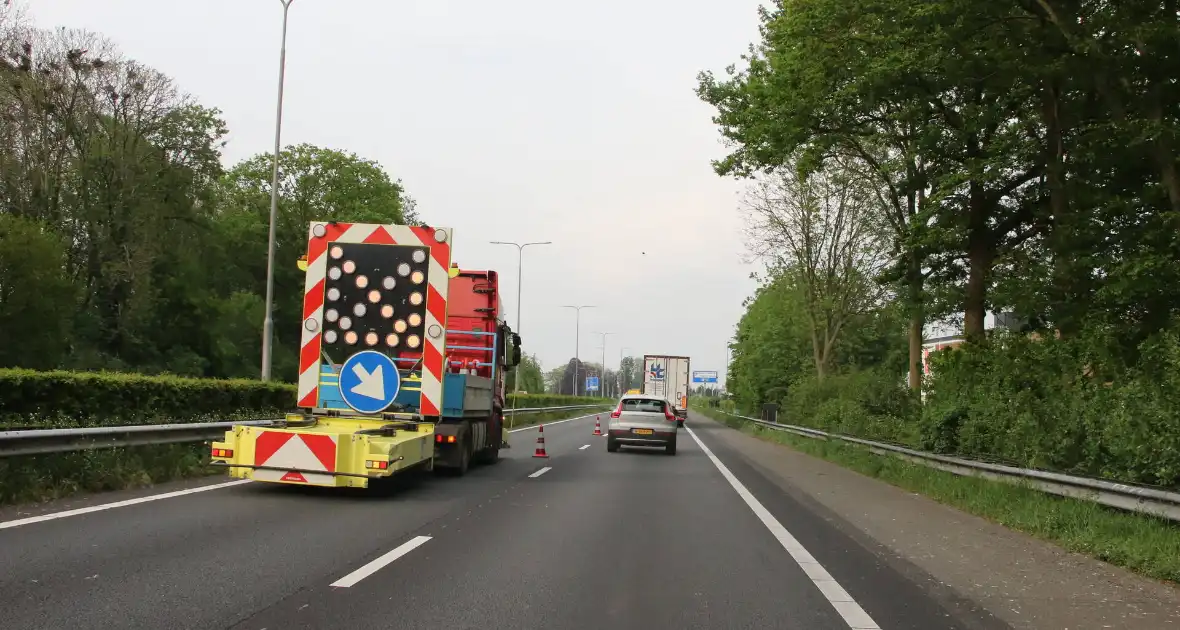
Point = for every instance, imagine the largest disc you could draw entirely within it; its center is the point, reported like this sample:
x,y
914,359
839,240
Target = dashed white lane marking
x,y
540,472
549,424
369,569
582,448
117,504
853,614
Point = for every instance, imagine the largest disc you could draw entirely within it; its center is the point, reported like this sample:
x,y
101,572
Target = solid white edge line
x,y
849,610
540,472
117,504
168,495
549,424
376,565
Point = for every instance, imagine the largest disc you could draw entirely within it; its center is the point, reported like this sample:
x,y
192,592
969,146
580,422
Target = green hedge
x,y
67,399
30,399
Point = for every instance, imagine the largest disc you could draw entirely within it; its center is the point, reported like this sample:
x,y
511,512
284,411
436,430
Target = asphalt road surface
x,y
583,540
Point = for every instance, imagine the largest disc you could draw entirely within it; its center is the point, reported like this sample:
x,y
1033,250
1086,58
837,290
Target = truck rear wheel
x,y
490,455
464,457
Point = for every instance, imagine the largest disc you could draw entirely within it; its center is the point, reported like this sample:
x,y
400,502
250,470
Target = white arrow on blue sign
x,y
369,382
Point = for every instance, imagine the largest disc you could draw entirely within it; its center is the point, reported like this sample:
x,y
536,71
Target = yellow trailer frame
x,y
331,451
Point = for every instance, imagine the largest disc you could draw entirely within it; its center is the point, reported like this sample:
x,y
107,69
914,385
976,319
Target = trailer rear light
x,y
380,465
223,453
444,439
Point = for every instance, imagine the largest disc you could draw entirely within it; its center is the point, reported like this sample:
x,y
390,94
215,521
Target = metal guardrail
x,y
44,441
47,441
1142,499
528,410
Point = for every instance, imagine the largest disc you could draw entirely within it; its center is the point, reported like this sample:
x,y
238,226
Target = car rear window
x,y
643,404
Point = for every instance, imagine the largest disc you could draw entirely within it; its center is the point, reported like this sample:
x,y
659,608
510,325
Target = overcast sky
x,y
515,120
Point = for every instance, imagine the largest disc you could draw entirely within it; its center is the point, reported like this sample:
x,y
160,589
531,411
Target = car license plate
x,y
643,431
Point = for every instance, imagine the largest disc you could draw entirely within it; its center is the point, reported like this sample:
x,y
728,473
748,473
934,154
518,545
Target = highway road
x,y
583,540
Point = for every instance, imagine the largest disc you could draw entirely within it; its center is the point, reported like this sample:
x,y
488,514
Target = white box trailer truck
x,y
668,376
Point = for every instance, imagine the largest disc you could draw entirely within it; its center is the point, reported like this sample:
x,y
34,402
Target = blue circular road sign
x,y
369,381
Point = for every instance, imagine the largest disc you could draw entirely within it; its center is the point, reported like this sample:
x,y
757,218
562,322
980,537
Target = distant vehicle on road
x,y
642,420
667,376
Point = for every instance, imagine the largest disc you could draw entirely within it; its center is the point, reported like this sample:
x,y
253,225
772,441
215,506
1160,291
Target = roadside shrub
x,y
31,399
871,403
1056,404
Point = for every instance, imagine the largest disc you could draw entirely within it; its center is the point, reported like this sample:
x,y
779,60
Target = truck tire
x,y
464,457
489,455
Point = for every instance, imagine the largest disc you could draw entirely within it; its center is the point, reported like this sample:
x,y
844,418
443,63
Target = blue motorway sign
x,y
591,383
703,376
369,381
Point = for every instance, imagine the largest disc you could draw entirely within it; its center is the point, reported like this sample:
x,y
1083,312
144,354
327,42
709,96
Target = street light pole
x,y
621,351
268,323
602,379
519,291
578,340
726,381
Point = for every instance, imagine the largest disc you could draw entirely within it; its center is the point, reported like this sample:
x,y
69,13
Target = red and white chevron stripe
x,y
433,349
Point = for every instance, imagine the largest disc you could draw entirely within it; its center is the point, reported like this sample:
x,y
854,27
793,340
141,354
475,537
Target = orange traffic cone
x,y
541,443
597,426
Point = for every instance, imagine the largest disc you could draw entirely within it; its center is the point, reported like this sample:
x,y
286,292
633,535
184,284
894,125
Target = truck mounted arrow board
x,y
375,289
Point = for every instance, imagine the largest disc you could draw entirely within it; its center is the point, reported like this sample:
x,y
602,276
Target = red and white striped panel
x,y
299,458
437,239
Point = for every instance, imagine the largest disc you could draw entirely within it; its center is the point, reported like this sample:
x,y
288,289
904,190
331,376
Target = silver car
x,y
642,420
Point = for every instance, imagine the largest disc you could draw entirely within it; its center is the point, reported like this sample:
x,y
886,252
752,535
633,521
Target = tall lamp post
x,y
621,351
519,283
268,324
726,381
577,340
602,379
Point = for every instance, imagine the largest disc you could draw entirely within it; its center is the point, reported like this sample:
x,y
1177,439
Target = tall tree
x,y
315,184
821,230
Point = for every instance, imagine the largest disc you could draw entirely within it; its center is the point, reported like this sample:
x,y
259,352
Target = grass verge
x,y
1147,545
45,477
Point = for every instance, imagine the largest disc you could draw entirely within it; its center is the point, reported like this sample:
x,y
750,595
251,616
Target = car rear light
x,y
617,412
668,415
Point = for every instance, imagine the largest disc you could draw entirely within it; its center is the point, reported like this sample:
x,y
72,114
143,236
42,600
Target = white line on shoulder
x,y
853,614
549,424
117,504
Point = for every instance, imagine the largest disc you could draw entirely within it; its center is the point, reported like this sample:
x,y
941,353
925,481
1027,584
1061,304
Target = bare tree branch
x,y
824,229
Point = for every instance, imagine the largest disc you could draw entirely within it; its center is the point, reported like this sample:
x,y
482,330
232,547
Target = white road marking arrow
x,y
372,384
